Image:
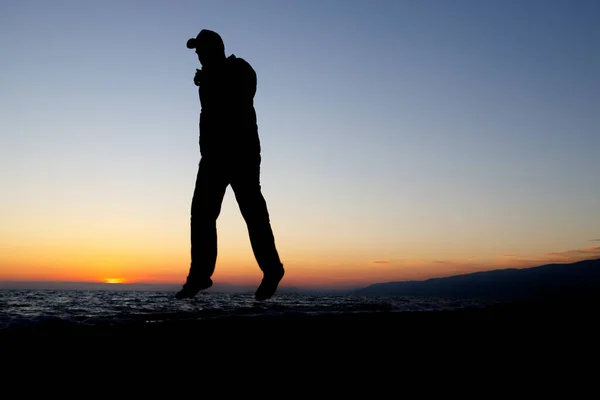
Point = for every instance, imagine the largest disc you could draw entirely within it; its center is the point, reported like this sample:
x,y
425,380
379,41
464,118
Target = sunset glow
x,y
400,141
114,280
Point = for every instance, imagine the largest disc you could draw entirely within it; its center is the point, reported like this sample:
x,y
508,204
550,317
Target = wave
x,y
37,308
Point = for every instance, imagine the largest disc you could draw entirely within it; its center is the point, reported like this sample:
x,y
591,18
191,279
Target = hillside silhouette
x,y
579,279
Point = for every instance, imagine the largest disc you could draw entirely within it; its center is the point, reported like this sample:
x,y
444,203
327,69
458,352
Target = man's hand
x,y
198,77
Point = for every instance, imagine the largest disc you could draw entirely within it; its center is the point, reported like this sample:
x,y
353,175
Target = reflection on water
x,y
20,307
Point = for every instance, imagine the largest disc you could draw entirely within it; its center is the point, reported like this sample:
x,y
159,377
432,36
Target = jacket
x,y
227,118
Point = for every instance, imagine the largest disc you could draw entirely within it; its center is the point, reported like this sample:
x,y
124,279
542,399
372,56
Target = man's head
x,y
209,47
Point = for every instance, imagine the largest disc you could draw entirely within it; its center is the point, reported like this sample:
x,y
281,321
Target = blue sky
x,y
400,131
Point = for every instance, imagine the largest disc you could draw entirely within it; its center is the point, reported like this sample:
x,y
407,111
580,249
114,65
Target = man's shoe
x,y
269,284
191,288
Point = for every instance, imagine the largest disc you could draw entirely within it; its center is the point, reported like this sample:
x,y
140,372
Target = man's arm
x,y
247,81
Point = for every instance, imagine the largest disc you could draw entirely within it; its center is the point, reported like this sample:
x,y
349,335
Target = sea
x,y
19,308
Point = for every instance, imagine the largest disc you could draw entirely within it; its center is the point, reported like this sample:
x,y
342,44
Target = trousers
x,y
214,175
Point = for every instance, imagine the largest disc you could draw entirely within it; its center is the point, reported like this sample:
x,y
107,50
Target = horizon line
x,y
348,286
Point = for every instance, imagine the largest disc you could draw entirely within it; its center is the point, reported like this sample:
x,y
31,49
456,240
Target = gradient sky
x,y
401,139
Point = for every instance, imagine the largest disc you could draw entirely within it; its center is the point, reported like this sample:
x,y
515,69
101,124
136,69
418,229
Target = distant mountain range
x,y
581,277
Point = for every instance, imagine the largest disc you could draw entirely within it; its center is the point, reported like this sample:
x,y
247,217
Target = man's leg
x,y
211,183
245,183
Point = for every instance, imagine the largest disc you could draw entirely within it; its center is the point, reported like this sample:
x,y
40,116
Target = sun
x,y
114,280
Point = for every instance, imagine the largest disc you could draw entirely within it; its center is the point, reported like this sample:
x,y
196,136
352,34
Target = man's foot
x,y
268,286
191,288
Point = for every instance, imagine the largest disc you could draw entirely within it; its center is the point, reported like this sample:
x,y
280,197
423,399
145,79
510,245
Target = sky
x,y
400,139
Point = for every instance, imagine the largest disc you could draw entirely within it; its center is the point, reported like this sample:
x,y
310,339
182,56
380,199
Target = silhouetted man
x,y
230,155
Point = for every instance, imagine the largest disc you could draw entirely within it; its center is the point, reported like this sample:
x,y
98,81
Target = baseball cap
x,y
206,38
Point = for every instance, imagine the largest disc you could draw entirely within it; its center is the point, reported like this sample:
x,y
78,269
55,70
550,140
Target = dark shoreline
x,y
506,325
477,351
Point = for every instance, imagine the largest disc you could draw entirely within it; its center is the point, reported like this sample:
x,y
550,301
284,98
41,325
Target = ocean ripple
x,y
55,307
